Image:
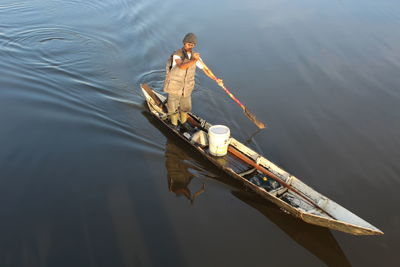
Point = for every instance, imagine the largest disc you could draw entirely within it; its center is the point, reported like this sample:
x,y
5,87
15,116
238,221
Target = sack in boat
x,y
200,138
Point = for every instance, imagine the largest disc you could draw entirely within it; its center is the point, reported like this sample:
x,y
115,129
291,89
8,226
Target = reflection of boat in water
x,y
183,167
263,177
317,240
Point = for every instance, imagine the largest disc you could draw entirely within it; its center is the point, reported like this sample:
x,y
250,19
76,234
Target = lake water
x,y
88,178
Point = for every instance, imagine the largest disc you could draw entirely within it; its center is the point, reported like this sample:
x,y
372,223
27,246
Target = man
x,y
180,79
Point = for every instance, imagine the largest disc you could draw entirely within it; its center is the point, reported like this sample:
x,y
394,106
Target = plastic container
x,y
218,139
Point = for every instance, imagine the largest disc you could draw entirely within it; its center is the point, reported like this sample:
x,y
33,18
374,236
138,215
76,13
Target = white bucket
x,y
218,140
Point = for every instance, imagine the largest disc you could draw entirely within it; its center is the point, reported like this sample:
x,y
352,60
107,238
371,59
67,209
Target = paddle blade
x,y
253,118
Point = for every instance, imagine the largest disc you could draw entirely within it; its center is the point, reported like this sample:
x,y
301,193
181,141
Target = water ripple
x,y
58,45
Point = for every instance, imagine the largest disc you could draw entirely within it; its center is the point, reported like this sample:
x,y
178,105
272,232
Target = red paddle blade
x,y
253,118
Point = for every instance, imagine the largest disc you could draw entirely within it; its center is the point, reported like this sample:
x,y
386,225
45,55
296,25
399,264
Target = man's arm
x,y
183,66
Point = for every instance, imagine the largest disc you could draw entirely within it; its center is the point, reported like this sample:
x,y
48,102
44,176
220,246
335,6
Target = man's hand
x,y
186,65
196,56
220,82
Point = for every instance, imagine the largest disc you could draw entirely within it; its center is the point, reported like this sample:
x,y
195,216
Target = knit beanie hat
x,y
190,38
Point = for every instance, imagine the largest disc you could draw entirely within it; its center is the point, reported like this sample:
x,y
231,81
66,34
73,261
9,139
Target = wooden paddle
x,y
249,115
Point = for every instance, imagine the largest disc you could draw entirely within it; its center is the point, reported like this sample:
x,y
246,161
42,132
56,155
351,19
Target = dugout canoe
x,y
263,177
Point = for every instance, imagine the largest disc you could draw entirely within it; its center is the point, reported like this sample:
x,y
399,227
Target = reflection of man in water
x,y
179,176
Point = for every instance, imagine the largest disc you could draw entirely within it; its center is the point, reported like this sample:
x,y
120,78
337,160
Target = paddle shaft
x,y
253,118
212,76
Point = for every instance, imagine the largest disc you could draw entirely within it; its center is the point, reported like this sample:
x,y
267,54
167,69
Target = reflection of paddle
x,y
248,140
249,115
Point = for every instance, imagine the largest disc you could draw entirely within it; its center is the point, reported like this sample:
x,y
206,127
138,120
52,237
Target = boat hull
x,y
325,212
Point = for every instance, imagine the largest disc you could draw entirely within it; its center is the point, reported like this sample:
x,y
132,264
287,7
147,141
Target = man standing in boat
x,y
180,79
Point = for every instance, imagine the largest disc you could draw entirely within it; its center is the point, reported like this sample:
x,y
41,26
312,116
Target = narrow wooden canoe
x,y
264,178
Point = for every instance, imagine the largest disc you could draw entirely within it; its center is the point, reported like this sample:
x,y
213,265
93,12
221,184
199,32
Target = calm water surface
x,y
88,178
